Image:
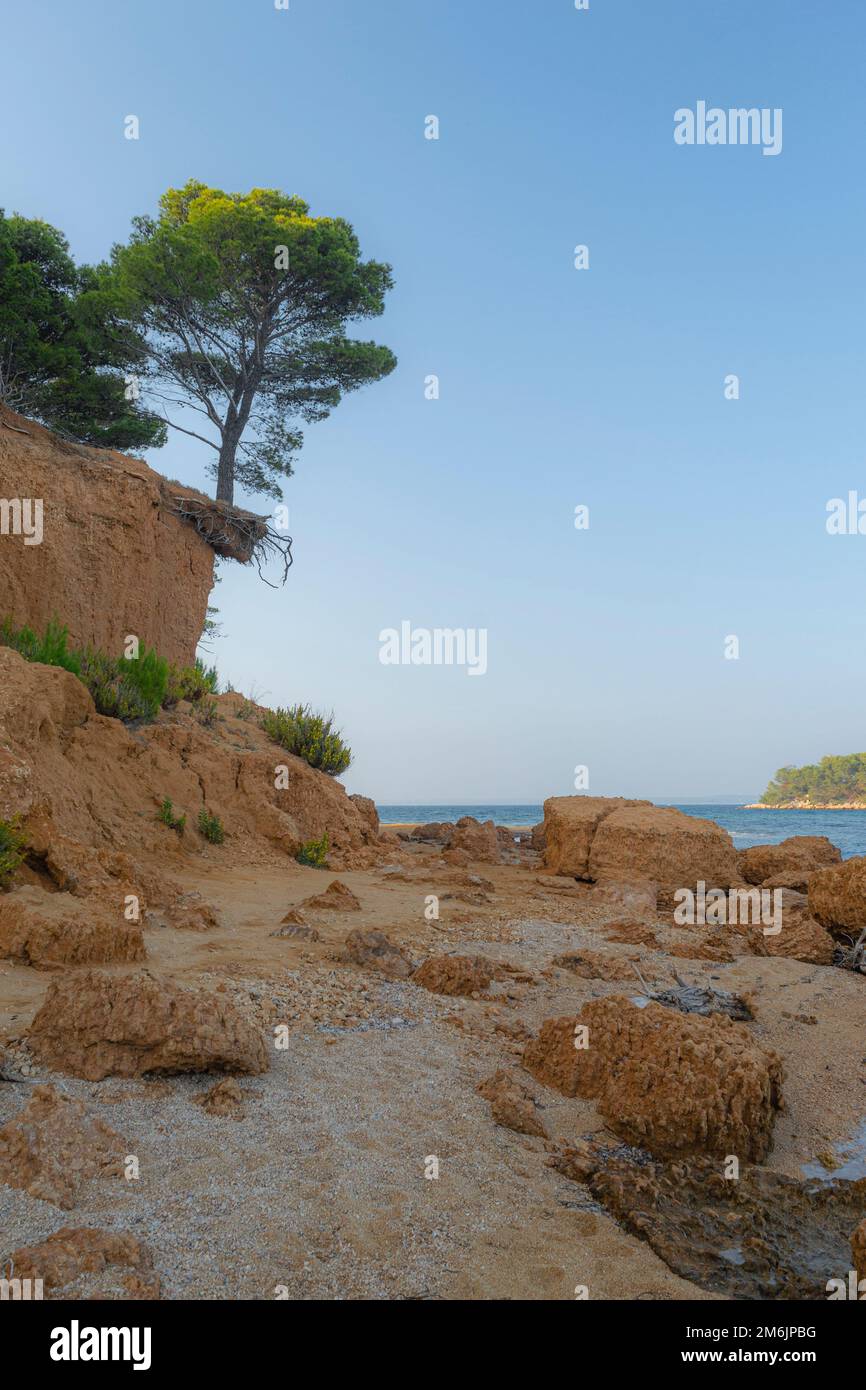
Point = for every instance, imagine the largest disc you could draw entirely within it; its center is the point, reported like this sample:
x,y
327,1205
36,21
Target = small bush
x,y
190,683
309,736
314,853
211,827
167,816
13,849
207,712
52,648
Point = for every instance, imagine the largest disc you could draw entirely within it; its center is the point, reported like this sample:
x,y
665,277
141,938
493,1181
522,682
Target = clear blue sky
x,y
558,387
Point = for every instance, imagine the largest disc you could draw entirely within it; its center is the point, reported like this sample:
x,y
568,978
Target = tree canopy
x,y
242,302
839,779
69,375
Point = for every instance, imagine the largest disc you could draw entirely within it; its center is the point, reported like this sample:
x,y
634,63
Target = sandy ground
x,y
320,1189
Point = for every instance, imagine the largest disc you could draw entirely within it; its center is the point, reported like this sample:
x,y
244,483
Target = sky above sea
x,y
559,387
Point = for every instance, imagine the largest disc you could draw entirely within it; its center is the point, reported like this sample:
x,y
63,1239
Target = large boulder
x,y
837,896
569,827
858,1249
789,860
609,838
664,845
670,1082
95,1025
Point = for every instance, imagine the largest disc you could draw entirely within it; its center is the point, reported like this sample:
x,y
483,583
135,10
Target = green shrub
x,y
211,827
190,683
206,713
51,648
148,674
309,736
13,849
167,816
314,853
114,688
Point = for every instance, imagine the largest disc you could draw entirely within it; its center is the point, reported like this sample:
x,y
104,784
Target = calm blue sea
x,y
847,829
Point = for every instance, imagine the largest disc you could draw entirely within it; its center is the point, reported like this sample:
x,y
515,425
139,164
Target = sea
x,y
846,829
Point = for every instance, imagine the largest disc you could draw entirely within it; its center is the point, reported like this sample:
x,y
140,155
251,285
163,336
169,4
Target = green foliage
x,y
211,827
314,853
839,779
53,366
242,301
13,849
206,713
190,683
167,816
309,736
120,688
52,648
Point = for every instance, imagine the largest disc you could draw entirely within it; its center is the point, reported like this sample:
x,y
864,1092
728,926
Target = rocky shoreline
x,y
805,806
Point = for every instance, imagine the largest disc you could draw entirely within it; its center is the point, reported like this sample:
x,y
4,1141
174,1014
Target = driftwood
x,y
694,999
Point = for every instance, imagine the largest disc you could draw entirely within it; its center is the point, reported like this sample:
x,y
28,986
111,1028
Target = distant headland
x,y
836,783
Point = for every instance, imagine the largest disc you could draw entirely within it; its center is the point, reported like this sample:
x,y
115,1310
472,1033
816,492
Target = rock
x,y
801,937
337,897
538,839
454,974
224,1099
631,933
115,556
95,1025
792,859
858,1250
293,918
480,842
367,808
837,896
54,1145
511,1104
73,1253
569,827
635,895
436,831
299,932
48,930
458,857
672,1083
589,965
371,948
664,845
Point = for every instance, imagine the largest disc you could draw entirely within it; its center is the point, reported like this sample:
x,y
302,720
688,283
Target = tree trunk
x,y
226,470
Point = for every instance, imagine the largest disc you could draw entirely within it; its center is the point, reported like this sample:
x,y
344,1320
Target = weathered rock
x,y
224,1099
297,930
48,930
511,1104
664,845
858,1250
437,831
115,557
54,1145
95,1025
672,1083
837,896
371,948
458,857
454,974
631,933
337,897
480,842
589,965
74,1253
790,860
801,937
538,839
569,827
367,807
